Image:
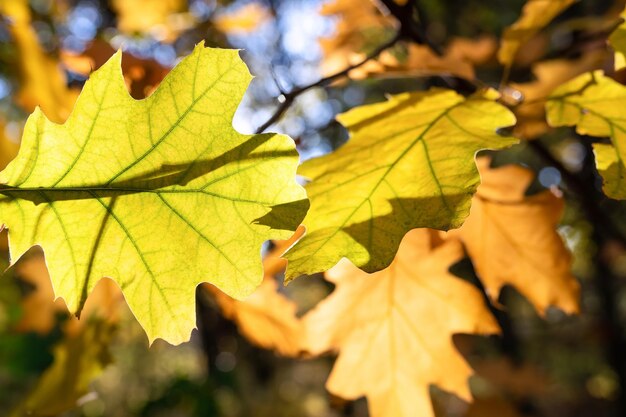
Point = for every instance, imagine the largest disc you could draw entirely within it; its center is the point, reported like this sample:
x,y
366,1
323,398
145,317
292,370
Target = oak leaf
x,y
393,329
40,309
361,25
244,19
78,359
266,318
593,103
512,239
618,41
531,113
162,19
409,164
158,194
42,83
536,14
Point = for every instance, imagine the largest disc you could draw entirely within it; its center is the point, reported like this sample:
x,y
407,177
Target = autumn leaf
x,y
361,25
244,19
458,59
43,83
78,359
530,113
81,355
142,75
8,147
163,19
357,24
409,164
158,194
266,318
512,240
536,14
393,329
618,42
40,309
593,103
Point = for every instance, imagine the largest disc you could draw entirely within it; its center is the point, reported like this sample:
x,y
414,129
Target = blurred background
x,y
102,366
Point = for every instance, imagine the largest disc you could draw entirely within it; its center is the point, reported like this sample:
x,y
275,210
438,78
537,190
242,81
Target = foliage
x,y
444,226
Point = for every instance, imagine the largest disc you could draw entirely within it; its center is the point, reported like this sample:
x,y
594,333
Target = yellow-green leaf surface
x,y
409,164
618,42
535,15
594,104
158,194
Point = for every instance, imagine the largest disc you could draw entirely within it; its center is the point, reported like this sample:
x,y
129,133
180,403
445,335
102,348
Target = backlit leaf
x,y
393,329
409,164
158,194
512,240
267,318
594,103
536,14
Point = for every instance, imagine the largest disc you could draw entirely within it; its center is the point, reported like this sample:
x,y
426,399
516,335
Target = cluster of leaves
x,y
139,201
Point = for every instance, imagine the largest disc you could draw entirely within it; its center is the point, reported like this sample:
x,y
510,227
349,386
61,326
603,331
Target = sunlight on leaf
x,y
393,329
536,14
266,318
409,164
594,103
512,240
158,194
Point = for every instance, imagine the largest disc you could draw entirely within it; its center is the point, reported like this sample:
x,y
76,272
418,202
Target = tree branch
x,y
290,97
587,195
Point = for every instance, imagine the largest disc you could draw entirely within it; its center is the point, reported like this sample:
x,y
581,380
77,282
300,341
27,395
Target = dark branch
x,y
290,97
587,195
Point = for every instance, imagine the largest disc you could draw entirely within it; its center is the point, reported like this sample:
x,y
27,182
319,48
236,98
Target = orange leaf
x,y
512,240
393,329
266,318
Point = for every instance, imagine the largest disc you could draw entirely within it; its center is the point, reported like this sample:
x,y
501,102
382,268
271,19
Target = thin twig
x,y
586,194
289,98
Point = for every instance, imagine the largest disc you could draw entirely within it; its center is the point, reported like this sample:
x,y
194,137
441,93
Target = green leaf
x,y
409,164
594,104
158,194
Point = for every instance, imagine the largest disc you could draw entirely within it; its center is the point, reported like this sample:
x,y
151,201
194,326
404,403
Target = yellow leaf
x,y
594,104
393,329
531,114
158,194
536,14
162,19
39,307
42,83
512,240
361,25
618,42
409,164
244,19
8,147
78,359
267,318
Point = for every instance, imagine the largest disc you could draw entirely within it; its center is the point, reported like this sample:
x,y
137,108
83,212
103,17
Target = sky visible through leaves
x,y
440,184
